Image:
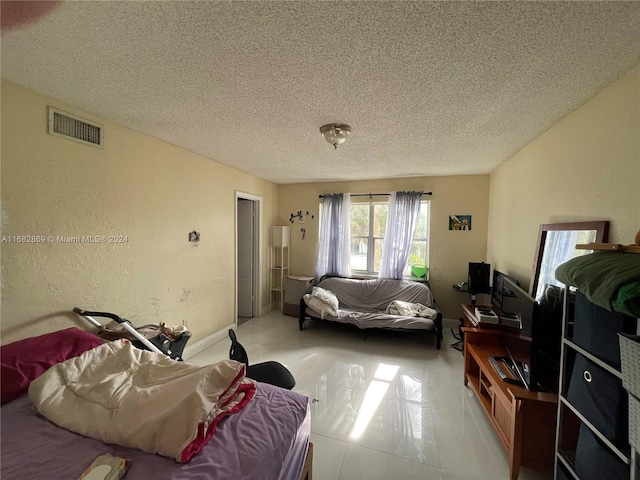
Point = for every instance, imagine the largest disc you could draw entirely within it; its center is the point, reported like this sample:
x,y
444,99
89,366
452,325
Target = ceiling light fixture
x,y
335,133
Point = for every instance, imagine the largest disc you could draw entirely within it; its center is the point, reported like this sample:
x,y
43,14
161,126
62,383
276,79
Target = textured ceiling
x,y
429,88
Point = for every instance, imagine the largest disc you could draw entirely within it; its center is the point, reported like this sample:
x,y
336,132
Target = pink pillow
x,y
23,361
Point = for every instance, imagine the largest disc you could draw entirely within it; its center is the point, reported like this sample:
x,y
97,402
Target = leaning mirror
x,y
556,245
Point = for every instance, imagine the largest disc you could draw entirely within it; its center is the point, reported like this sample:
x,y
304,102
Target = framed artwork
x,y
459,222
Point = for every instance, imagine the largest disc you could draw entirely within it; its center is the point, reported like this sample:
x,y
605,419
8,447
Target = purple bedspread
x,y
267,440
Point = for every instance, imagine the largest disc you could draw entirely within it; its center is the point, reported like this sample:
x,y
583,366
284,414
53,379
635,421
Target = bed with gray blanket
x,y
374,303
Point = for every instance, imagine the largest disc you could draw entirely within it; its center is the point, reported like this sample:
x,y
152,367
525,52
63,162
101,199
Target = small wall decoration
x,y
194,236
300,216
459,222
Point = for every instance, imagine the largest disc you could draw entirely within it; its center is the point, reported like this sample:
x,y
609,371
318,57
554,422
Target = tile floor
x,y
390,407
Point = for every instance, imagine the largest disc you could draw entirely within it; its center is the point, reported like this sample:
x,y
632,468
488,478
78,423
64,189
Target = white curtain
x,y
335,236
402,221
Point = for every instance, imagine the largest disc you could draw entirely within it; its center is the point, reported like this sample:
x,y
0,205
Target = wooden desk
x,y
524,420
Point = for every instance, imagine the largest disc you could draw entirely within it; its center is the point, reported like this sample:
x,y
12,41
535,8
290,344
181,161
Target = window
x,y
368,222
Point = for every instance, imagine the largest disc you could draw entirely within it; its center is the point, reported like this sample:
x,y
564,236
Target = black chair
x,y
273,373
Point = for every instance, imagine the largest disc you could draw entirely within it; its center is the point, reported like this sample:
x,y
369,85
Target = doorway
x,y
248,213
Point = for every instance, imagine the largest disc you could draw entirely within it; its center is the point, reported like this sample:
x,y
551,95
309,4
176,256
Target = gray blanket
x,y
364,302
376,294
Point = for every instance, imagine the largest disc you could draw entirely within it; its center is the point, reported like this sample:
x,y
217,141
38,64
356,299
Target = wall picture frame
x,y
459,222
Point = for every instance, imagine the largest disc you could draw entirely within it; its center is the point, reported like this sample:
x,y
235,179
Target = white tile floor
x,y
390,407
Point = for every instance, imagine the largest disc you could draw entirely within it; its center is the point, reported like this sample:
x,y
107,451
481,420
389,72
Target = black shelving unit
x,y
592,440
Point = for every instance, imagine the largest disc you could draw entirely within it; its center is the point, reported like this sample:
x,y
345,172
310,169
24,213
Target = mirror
x,y
556,245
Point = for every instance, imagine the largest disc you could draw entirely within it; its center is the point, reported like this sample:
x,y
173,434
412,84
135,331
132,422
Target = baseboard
x,y
206,342
266,309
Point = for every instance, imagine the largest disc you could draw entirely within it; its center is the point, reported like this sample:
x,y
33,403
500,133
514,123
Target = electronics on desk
x,y
510,319
511,370
485,315
517,307
522,370
501,366
529,331
497,288
478,281
461,287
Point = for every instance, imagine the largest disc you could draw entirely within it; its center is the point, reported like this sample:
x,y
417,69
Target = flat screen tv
x,y
497,288
531,331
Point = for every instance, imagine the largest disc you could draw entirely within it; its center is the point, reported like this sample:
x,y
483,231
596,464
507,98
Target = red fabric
x,y
23,361
249,390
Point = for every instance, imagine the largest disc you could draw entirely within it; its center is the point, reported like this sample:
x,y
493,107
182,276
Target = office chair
x,y
273,373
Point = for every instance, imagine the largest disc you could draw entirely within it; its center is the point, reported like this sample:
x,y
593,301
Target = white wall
x,y
586,167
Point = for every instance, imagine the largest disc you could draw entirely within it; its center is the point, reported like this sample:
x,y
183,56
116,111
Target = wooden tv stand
x,y
524,420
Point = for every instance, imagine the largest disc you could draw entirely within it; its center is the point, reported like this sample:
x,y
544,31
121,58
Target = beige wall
x,y
587,167
450,251
139,187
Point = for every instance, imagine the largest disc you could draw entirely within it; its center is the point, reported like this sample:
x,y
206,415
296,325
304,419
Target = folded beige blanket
x,y
139,399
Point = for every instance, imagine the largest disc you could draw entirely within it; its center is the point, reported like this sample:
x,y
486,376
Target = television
x,y
531,333
497,288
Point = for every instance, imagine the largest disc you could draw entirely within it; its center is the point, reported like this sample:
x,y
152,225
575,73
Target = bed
x,y
268,439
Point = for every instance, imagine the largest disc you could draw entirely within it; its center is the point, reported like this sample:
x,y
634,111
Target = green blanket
x,y
600,275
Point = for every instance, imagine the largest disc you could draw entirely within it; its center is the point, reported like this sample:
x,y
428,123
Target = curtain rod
x,y
375,194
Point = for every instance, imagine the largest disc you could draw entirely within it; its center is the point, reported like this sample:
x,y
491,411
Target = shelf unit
x,y
583,430
280,258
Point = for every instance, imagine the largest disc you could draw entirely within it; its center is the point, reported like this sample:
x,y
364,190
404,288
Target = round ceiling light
x,y
335,133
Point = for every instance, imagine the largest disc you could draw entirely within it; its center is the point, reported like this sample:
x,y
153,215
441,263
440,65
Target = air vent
x,y
63,124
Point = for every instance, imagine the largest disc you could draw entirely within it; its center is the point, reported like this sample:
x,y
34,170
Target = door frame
x,y
257,253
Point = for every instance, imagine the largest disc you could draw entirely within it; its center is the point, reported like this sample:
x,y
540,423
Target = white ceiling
x,y
429,88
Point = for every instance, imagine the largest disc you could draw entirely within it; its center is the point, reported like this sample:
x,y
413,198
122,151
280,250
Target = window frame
x,y
371,238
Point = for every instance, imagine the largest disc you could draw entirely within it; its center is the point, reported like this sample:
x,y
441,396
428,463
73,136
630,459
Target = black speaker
x,y
479,277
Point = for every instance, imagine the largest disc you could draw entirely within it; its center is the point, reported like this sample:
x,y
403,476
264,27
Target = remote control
x,y
496,367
